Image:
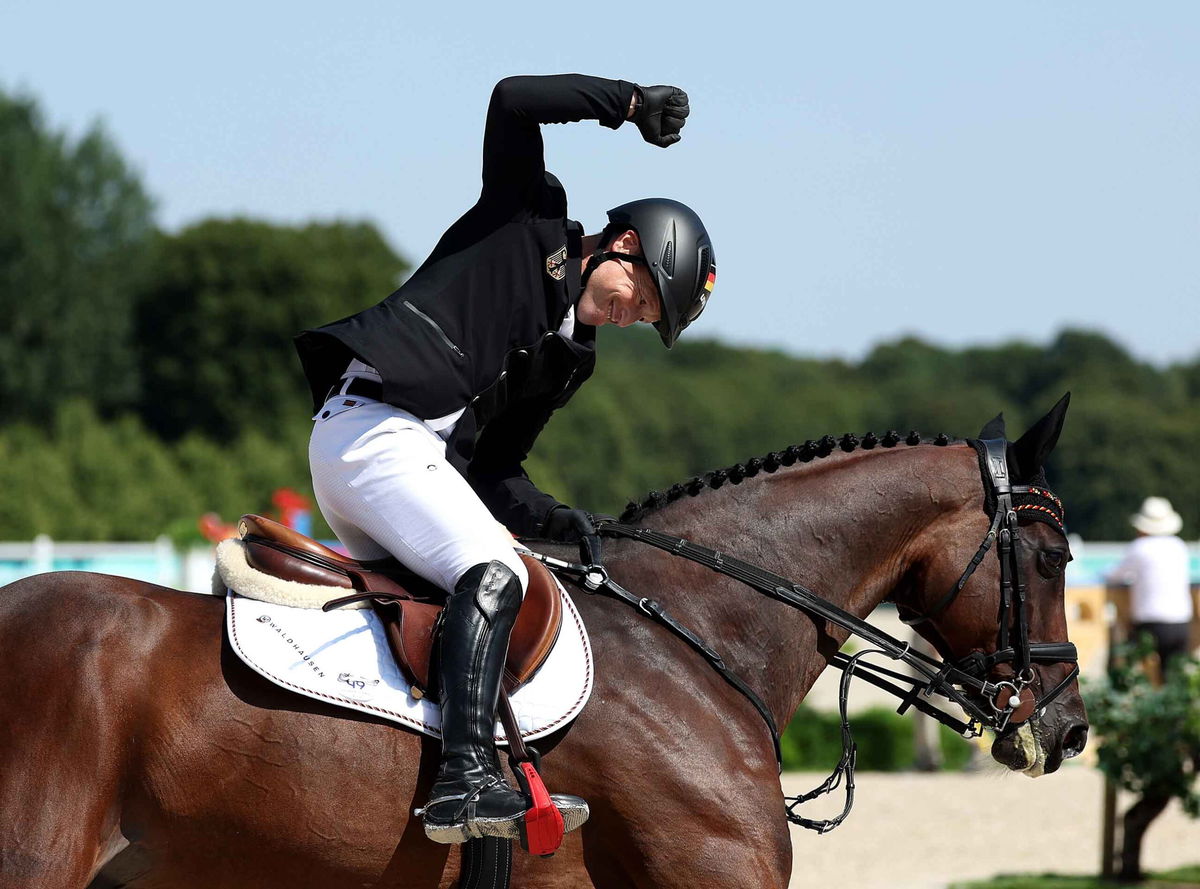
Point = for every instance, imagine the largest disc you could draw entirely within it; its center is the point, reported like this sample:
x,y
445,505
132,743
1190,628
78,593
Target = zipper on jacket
x,y
567,384
445,339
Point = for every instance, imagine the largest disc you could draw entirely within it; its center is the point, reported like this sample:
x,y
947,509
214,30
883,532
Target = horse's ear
x,y
1030,451
993,428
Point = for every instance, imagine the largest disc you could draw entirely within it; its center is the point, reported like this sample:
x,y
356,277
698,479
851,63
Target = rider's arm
x,y
512,141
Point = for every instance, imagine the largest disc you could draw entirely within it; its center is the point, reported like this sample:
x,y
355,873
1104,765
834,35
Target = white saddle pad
x,y
342,657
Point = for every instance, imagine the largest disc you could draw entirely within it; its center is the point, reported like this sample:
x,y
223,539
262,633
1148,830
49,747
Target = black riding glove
x,y
568,525
661,114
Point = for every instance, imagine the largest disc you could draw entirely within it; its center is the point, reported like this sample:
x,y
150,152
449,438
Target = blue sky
x,y
969,173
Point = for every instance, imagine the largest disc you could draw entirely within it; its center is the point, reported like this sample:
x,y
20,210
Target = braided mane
x,y
804,453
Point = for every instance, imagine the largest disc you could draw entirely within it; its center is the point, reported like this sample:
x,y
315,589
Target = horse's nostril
x,y
1075,739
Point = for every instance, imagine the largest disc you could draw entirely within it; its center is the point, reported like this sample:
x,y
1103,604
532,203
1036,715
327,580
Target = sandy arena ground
x,y
913,831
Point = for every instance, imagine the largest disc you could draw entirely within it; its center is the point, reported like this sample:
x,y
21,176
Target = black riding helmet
x,y
677,250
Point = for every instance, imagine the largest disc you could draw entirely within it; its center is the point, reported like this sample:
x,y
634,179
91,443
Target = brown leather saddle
x,y
408,605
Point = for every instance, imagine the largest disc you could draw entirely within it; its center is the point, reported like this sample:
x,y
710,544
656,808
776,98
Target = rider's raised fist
x,y
661,114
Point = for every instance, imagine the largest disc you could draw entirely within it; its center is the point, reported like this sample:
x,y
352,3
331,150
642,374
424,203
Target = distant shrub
x,y
813,741
1149,734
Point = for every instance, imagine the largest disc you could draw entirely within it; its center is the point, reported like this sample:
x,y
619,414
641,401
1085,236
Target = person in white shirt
x,y
1156,568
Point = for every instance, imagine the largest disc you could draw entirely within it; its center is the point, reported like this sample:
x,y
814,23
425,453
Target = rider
x,y
461,368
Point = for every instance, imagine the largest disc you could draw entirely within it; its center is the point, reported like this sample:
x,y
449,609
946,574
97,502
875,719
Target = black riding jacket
x,y
476,325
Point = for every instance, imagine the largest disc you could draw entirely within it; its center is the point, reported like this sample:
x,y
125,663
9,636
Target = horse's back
x,y
75,606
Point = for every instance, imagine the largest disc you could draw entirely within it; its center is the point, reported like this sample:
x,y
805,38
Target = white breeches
x,y
383,483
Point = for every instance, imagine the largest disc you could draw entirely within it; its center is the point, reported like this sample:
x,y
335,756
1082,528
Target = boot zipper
x,y
445,339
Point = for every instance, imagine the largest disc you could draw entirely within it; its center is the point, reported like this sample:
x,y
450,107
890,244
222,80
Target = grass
x,y
1188,874
1036,881
1180,876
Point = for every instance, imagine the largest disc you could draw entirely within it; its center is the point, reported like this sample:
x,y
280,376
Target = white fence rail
x,y
157,561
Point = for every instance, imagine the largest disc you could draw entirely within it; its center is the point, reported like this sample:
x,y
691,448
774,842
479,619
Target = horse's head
x,y
988,594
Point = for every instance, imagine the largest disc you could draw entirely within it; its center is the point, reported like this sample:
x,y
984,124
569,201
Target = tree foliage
x,y
647,419
1149,741
215,324
87,478
147,377
651,418
75,231
1150,734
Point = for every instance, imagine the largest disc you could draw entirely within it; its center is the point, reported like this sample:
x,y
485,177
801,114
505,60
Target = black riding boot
x,y
470,797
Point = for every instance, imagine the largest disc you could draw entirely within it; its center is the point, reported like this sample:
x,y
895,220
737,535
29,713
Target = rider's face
x,y
619,291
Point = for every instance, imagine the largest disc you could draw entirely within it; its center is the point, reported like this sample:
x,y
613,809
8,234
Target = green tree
x,y
75,228
84,478
1149,741
87,478
215,324
651,418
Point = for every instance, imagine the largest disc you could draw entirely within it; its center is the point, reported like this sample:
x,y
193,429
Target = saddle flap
x,y
537,625
335,658
412,626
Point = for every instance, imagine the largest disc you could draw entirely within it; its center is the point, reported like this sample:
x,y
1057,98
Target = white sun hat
x,y
1157,517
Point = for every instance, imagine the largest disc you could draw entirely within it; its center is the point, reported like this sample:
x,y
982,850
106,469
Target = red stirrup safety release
x,y
542,831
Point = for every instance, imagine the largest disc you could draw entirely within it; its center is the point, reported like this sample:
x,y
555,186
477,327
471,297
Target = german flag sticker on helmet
x,y
706,290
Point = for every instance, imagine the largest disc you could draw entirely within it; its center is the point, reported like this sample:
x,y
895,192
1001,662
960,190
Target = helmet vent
x,y
668,258
705,265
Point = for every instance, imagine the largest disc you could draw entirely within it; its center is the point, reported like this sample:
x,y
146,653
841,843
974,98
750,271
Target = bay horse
x,y
137,751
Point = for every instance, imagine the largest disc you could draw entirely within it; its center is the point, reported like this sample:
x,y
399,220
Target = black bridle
x,y
988,704
1013,645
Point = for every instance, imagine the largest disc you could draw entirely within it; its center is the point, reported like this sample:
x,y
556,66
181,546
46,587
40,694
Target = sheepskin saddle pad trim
x,y
234,572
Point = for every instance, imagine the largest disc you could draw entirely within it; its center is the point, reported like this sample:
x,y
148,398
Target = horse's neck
x,y
844,528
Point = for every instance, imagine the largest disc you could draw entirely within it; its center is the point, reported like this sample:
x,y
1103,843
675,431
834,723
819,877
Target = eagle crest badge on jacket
x,y
556,263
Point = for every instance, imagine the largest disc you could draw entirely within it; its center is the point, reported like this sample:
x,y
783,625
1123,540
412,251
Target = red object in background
x,y
295,510
214,528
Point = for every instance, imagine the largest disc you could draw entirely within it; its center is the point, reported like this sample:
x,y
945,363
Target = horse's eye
x,y
1051,562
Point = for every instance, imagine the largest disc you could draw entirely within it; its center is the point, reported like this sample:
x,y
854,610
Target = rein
x,y
955,681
